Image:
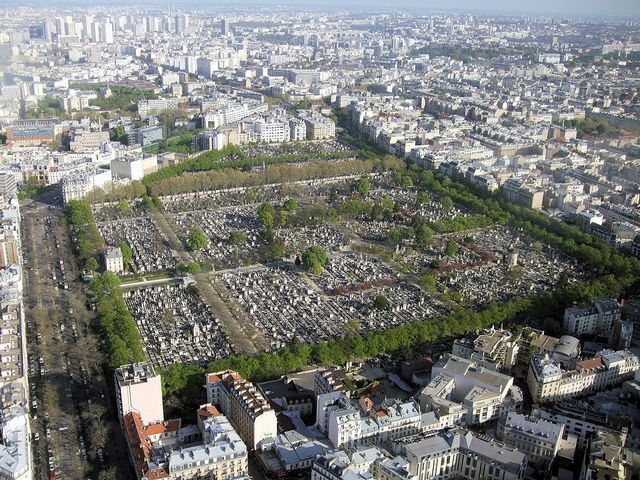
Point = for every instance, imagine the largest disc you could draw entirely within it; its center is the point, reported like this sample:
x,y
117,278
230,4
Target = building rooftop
x,y
466,442
533,426
134,373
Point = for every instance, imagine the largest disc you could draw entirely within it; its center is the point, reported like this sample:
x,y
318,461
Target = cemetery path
x,y
174,242
313,286
244,335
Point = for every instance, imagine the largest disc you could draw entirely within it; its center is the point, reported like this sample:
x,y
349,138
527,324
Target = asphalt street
x,y
75,428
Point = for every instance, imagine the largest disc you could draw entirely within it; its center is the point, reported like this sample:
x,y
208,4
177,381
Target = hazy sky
x,y
591,7
596,8
629,8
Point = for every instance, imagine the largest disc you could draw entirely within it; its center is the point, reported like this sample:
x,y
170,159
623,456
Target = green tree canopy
x,y
314,259
127,253
188,268
381,302
266,214
447,204
197,240
92,264
290,205
123,205
277,249
450,248
362,187
238,237
427,282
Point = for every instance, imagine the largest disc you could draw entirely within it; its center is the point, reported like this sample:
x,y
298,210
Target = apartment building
x,y
364,463
271,130
459,453
139,390
520,193
134,167
354,464
537,438
245,406
80,140
347,425
329,380
319,128
156,106
80,184
597,318
298,130
548,381
580,420
145,136
484,393
8,184
15,446
166,449
490,347
606,457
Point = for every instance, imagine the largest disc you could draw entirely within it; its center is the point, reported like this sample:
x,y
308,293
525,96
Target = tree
x,y
277,248
447,204
396,235
352,327
157,203
424,236
266,214
56,144
92,264
190,268
86,351
147,202
422,198
123,205
127,253
170,116
238,237
119,134
314,259
427,282
197,240
450,248
388,205
290,205
362,187
381,302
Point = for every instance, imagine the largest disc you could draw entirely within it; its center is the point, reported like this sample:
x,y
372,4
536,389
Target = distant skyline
x,y
593,8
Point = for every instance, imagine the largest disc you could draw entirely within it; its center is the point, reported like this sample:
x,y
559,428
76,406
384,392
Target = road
x,y
74,416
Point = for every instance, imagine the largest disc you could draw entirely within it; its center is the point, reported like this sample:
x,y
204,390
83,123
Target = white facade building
x,y
597,318
459,453
113,260
484,393
139,389
134,167
549,382
537,438
78,186
244,405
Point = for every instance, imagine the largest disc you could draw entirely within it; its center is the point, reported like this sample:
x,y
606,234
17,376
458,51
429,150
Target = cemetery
x,y
150,249
372,280
176,326
287,302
